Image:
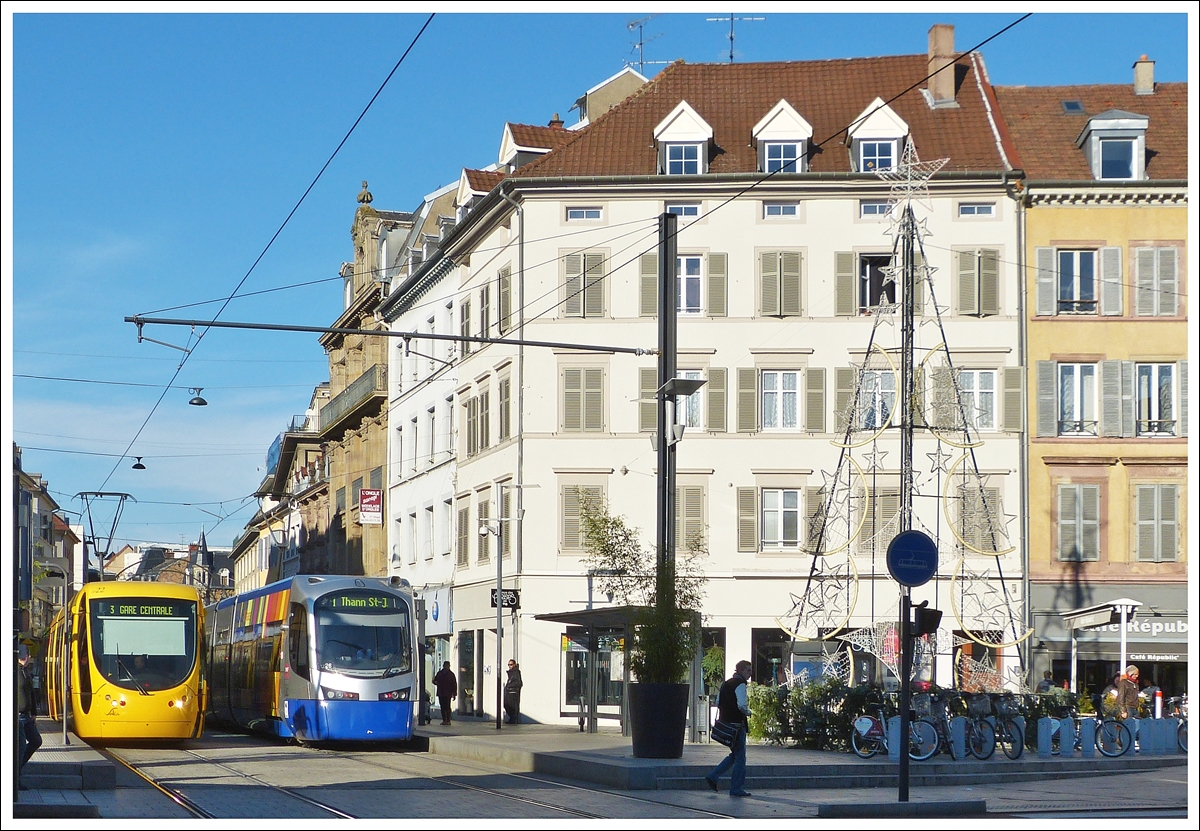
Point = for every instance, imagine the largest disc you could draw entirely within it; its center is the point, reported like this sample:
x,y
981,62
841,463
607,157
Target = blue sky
x,y
149,159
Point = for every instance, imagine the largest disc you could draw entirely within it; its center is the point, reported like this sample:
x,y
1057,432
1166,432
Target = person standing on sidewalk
x,y
28,735
447,689
512,693
733,706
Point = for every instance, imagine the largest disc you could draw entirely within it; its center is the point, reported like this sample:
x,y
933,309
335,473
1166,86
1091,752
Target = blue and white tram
x,y
316,658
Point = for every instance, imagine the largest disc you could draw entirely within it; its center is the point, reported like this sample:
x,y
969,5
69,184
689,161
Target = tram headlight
x,y
395,695
338,695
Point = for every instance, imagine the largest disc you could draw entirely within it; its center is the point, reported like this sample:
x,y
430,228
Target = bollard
x,y
1158,703
1087,738
958,736
1046,728
1066,737
1020,722
893,741
1172,726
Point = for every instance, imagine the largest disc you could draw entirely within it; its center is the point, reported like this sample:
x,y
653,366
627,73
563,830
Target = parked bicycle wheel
x,y
864,746
981,739
1181,735
1008,734
1113,738
922,740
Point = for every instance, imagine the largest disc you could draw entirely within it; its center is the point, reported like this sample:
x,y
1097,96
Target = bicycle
x,y
981,736
1177,707
868,736
1113,736
934,711
1009,735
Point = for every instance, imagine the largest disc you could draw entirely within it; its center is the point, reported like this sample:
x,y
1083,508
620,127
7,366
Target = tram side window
x,y
298,640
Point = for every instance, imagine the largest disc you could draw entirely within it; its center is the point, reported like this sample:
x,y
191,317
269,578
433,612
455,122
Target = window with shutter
x,y
789,283
485,433
1077,279
747,400
688,282
1014,399
747,509
573,498
472,426
688,408
504,290
978,281
814,399
572,399
462,546
593,399
647,404
1047,398
1155,399
1047,300
485,310
880,524
593,285
780,406
483,509
815,520
979,518
505,403
573,285
1157,281
464,325
1077,400
845,297
506,529
1112,289
977,388
689,517
715,390
718,285
845,380
780,518
1078,523
648,293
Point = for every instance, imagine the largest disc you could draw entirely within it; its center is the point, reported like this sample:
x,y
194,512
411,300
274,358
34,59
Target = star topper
x,y
910,178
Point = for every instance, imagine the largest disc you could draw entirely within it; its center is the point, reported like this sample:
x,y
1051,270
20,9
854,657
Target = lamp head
x,y
197,401
137,465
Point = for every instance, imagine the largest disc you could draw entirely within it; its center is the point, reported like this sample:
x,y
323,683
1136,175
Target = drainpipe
x,y
520,535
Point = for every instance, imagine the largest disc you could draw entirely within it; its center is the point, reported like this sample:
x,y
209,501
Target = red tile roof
x,y
1045,135
482,181
533,136
732,98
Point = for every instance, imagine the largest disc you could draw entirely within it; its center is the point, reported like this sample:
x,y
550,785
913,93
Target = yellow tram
x,y
132,667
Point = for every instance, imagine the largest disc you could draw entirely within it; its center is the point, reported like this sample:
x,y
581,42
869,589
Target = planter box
x,y
658,719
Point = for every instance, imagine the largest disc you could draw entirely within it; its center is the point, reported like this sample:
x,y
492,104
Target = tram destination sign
x,y
511,599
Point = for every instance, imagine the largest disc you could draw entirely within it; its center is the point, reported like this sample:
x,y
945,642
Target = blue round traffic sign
x,y
912,558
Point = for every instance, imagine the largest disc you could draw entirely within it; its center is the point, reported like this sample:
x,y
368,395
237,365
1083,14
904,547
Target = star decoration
x,y
873,458
910,178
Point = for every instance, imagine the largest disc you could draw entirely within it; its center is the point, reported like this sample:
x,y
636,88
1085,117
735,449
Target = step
x,y
52,781
44,810
95,773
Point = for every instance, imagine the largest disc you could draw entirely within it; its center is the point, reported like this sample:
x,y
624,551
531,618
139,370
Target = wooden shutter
x,y
1068,522
715,418
1168,524
789,283
573,285
461,549
768,304
647,404
1089,499
946,412
920,277
464,327
718,282
1128,400
814,399
989,282
1112,290
483,511
505,299
1047,285
1168,281
968,282
845,380
1110,398
506,530
593,285
747,508
472,426
648,294
593,399
845,301
815,519
1047,398
1146,260
485,431
747,400
1013,382
572,399
882,506
574,496
505,408
1181,426
689,515
979,518
1147,526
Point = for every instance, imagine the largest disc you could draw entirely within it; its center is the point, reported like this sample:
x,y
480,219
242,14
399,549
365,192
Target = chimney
x,y
1143,77
556,121
941,54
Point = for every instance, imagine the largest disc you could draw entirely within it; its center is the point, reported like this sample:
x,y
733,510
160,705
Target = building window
x,y
573,499
485,310
1157,281
874,210
780,210
1077,282
431,431
505,408
875,286
448,526
688,408
782,156
877,398
1157,523
1077,399
355,490
968,209
683,159
413,543
683,208
1156,399
484,509
464,328
876,155
1078,523
1116,158
978,388
688,282
583,399
780,391
780,518
339,504
980,521
583,284
462,546
429,533
581,214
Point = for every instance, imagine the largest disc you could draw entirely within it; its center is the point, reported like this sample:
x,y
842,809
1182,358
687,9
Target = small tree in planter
x,y
665,637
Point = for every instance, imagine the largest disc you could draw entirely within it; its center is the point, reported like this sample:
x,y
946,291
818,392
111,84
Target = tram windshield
x,y
364,633
144,643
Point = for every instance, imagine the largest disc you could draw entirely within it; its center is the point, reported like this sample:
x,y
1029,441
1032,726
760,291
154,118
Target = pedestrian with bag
x,y
512,693
28,736
447,689
733,710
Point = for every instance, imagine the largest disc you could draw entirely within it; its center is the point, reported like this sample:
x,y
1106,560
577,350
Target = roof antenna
x,y
640,46
731,18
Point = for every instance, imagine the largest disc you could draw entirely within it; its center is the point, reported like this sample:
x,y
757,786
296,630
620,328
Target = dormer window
x,y
782,137
683,138
1114,144
876,137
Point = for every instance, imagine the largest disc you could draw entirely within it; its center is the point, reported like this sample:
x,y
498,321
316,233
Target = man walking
x,y
447,689
29,737
733,707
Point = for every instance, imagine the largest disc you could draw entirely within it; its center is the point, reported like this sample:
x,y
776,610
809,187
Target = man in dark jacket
x,y
29,737
733,706
512,693
447,689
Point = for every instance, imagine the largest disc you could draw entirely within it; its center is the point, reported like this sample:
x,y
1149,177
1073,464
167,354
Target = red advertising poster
x,y
370,506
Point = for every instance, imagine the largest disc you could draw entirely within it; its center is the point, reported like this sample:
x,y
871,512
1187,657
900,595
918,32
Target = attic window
x,y
1073,107
1114,144
683,159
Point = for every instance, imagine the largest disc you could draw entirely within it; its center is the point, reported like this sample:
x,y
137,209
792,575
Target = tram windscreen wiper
x,y
136,683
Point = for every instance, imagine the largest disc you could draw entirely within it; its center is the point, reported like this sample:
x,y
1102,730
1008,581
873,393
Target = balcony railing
x,y
302,424
371,383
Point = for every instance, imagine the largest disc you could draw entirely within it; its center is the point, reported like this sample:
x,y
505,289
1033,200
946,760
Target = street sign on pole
x,y
512,599
912,558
